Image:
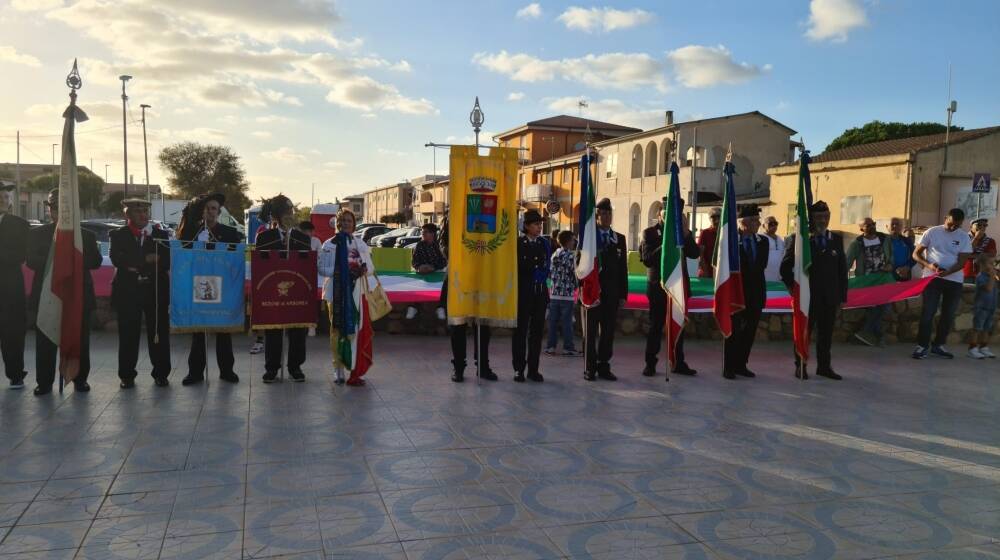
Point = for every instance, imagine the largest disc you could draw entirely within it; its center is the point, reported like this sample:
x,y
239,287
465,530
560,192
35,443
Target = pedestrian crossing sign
x,y
981,182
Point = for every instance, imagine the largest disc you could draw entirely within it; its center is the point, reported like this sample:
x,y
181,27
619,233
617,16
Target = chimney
x,y
670,118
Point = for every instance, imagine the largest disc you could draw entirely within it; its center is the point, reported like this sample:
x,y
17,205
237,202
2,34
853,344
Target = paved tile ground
x,y
902,458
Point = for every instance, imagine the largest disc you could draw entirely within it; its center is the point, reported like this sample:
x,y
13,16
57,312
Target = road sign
x,y
981,182
553,207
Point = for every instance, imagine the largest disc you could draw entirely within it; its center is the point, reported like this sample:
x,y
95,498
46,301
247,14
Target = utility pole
x,y
54,153
106,166
124,78
145,152
17,176
694,182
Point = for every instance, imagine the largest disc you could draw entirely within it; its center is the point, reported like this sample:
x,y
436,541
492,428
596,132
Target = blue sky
x,y
345,94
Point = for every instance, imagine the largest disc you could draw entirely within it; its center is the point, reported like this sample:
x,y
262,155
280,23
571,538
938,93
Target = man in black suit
x,y
753,260
533,254
650,250
39,244
141,286
827,285
602,318
201,223
280,239
13,309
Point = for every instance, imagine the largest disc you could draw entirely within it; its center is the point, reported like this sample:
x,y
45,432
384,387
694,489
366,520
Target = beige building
x,y
388,200
634,170
918,179
356,203
429,198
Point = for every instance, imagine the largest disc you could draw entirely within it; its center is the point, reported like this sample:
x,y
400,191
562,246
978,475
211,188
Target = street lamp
x,y
124,78
106,166
54,153
145,152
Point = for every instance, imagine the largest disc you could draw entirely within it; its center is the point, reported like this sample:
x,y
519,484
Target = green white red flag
x,y
803,263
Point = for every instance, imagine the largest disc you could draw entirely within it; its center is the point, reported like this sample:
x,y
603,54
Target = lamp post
x,y
145,152
54,153
124,78
106,166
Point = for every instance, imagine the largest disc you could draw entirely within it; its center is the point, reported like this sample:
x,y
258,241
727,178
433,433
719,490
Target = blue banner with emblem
x,y
207,287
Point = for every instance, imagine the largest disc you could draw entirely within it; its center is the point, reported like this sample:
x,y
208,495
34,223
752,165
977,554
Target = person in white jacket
x,y
344,261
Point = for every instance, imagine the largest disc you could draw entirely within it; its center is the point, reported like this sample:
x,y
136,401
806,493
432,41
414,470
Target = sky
x,y
345,94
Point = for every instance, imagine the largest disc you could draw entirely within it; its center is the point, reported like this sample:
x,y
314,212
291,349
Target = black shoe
x,y
728,374
747,373
590,376
127,383
230,377
829,374
297,375
518,377
161,382
17,384
649,371
607,376
801,373
81,387
536,377
458,377
270,377
488,375
39,391
684,369
192,379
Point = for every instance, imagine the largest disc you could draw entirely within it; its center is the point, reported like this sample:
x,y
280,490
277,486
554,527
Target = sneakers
x,y
411,312
549,351
257,347
572,353
942,352
441,314
297,375
985,351
17,384
919,353
865,338
338,374
975,353
270,377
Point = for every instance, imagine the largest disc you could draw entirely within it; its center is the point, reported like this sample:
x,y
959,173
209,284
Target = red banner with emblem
x,y
282,289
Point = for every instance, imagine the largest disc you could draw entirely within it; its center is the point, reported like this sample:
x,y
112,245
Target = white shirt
x,y
359,252
203,235
943,247
775,252
315,244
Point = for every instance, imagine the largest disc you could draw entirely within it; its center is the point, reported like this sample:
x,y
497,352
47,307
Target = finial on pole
x,y
74,81
477,118
729,153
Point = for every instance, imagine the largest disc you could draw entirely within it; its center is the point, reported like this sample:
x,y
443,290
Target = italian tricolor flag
x,y
729,296
60,305
672,264
803,264
587,267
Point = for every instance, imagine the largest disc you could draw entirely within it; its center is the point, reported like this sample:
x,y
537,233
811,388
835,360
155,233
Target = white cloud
x,y
10,54
366,94
612,111
603,71
697,66
273,119
389,152
35,5
833,19
183,111
285,154
334,164
515,96
260,134
531,11
603,19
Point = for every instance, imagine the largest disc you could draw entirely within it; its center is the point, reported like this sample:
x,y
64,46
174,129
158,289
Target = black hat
x,y
977,220
819,206
604,204
430,226
749,211
532,216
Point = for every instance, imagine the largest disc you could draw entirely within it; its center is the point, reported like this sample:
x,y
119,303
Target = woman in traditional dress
x,y
346,263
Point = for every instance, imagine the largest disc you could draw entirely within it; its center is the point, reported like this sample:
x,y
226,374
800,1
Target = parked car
x,y
406,240
368,225
100,228
389,239
369,232
411,244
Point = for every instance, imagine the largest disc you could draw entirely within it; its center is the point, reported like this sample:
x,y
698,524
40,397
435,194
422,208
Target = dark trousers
x,y
130,320
223,353
296,348
657,321
46,354
873,320
12,348
528,334
821,319
736,348
947,295
459,334
600,321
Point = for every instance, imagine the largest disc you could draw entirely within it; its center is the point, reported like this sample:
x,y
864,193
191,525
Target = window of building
x,y
611,165
636,161
793,218
650,159
853,209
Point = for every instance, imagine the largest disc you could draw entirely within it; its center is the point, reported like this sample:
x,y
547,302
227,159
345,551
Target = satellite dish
x,y
579,146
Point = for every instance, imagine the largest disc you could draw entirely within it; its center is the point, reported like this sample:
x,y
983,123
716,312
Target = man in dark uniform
x,y
283,237
459,333
753,260
603,318
141,286
650,250
533,254
827,286
13,309
205,226
39,244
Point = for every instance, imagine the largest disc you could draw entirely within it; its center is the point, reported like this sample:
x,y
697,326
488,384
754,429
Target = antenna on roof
x,y
581,105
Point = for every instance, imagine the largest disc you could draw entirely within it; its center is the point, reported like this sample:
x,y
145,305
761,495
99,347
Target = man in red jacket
x,y
706,244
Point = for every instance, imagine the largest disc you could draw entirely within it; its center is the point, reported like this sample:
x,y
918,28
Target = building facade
x,y
430,194
918,179
356,203
389,200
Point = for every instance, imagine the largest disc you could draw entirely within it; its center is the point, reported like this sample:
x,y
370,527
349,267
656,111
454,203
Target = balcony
x,y
431,207
708,180
539,192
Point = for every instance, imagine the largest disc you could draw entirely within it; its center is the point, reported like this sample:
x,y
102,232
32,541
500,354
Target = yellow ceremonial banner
x,y
482,237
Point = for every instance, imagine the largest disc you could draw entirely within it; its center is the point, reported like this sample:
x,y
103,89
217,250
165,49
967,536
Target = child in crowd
x,y
984,308
562,298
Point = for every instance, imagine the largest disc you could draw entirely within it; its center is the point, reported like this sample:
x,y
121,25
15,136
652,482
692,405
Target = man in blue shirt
x,y
902,250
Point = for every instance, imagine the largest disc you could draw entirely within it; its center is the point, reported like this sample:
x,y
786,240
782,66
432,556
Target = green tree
x,y
91,187
302,213
398,218
112,206
195,169
877,131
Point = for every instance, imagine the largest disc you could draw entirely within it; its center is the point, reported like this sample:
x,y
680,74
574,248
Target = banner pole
x,y
479,357
207,376
586,341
